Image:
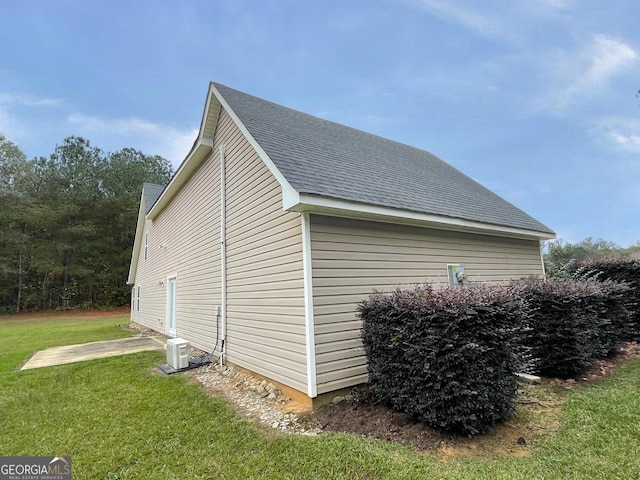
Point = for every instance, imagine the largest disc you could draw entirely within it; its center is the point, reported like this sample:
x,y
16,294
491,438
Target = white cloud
x,y
554,4
28,100
623,133
448,11
589,71
607,58
12,104
8,125
22,115
153,138
627,141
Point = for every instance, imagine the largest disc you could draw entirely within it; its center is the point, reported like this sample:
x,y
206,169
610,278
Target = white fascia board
x,y
135,255
344,208
198,154
205,113
290,195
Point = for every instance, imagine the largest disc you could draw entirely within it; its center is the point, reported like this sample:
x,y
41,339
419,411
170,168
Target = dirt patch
x,y
381,422
537,416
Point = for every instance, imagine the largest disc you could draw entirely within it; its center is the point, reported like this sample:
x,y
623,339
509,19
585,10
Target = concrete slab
x,y
91,351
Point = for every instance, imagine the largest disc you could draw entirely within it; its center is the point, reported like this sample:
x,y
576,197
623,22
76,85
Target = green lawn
x,y
119,418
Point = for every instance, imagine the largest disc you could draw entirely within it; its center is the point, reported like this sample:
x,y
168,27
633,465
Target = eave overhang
x,y
346,209
199,152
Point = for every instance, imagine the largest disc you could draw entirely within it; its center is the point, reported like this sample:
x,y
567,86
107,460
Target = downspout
x,y
544,271
223,252
310,333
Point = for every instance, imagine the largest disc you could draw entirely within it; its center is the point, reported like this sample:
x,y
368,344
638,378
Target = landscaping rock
x,y
256,399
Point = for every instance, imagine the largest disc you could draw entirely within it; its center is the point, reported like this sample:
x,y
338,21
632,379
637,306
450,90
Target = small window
x,y
146,245
133,299
138,302
456,275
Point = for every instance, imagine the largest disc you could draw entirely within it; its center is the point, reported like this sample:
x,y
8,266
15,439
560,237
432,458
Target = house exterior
x,y
278,223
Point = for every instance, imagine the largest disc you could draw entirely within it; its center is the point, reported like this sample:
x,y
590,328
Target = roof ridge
x,y
315,117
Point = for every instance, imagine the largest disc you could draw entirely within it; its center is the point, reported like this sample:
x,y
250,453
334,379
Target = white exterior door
x,y
172,290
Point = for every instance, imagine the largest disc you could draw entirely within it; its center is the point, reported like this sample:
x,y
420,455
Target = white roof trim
x,y
289,194
198,154
202,148
135,255
205,114
343,208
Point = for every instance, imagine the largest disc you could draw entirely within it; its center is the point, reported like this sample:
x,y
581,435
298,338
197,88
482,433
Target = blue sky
x,y
535,99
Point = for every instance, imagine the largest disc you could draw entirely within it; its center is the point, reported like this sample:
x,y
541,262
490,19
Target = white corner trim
x,y
364,211
544,270
288,192
312,388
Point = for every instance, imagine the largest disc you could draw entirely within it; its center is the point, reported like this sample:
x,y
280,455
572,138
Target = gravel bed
x,y
142,331
252,397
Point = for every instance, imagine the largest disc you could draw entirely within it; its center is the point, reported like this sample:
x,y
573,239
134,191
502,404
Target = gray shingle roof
x,y
151,193
324,158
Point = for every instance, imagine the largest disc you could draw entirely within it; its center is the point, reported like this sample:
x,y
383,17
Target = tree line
x,y
560,252
67,224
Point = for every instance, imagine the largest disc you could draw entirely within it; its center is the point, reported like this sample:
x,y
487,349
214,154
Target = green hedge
x,y
445,356
448,356
619,270
572,322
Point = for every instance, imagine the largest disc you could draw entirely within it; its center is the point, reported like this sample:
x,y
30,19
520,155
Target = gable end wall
x,y
265,302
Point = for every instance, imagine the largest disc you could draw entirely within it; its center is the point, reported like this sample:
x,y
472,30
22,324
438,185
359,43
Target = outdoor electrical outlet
x,y
217,309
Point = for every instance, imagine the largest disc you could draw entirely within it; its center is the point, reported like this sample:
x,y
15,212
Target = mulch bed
x,y
379,422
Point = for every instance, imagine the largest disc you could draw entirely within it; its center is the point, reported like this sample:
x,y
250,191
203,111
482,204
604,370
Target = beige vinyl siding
x,y
142,278
265,300
185,240
351,258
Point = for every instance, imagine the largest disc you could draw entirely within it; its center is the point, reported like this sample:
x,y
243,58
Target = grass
x,y
23,336
120,419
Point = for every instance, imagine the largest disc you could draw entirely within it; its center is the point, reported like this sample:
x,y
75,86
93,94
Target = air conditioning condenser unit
x,y
178,353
